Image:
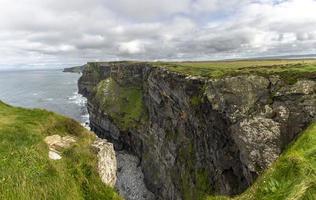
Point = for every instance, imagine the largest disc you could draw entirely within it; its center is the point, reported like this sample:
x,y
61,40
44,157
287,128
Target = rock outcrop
x,y
56,143
107,164
195,135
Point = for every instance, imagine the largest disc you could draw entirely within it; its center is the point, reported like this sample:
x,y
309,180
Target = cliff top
x,y
287,69
27,170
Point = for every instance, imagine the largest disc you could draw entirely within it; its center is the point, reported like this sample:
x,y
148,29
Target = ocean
x,y
52,90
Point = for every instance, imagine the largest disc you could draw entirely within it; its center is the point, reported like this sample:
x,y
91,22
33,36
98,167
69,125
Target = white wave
x,y
86,126
85,117
78,99
86,120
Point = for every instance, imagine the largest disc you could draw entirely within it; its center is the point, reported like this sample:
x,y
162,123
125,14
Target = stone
x,y
54,155
107,164
56,142
259,142
130,178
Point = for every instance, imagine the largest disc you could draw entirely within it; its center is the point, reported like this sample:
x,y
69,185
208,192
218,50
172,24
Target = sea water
x,y
53,90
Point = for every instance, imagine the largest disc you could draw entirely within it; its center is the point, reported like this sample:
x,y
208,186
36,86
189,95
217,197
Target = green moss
x,y
27,173
195,183
196,100
123,104
292,176
186,186
203,185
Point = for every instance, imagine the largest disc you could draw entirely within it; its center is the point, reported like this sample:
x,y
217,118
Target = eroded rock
x,y
107,164
56,143
259,142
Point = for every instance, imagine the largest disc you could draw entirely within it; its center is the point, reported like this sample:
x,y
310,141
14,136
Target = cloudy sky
x,y
54,33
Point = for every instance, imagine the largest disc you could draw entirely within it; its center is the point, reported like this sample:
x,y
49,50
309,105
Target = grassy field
x,y
291,177
27,173
289,70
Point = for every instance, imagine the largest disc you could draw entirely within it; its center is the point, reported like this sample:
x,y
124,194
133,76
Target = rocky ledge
x,y
196,135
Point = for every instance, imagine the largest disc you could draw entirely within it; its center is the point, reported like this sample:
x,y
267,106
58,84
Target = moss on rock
x,y
123,104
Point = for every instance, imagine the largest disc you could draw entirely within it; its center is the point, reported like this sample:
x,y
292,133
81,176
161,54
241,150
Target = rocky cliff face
x,y
195,135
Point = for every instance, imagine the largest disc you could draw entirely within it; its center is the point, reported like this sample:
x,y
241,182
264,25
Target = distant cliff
x,y
198,135
77,69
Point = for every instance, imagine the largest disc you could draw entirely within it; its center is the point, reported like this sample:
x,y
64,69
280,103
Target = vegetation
x,y
123,104
194,183
292,176
289,70
196,100
27,173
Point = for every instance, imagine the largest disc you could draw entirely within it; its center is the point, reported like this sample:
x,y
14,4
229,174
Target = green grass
x,y
123,104
289,70
27,173
291,177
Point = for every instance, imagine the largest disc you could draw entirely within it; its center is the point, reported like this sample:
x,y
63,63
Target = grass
x,y
291,177
289,70
123,104
27,173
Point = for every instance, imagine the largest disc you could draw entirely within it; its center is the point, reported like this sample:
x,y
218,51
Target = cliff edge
x,y
200,128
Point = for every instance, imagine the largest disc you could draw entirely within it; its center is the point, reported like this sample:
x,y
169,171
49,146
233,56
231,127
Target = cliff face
x,y
196,135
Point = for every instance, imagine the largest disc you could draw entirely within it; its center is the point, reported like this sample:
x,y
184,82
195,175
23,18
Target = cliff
x,y
291,176
198,130
77,69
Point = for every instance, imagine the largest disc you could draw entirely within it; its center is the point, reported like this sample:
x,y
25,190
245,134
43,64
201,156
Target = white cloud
x,y
74,31
132,47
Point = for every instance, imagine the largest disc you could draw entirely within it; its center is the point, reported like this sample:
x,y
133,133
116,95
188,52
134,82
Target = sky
x,y
59,33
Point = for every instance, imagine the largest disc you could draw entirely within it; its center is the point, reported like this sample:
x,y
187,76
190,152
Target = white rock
x,y
56,141
107,165
54,155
